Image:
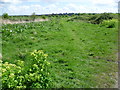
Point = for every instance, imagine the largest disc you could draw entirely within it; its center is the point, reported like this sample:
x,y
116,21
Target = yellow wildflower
x,y
45,55
3,70
11,75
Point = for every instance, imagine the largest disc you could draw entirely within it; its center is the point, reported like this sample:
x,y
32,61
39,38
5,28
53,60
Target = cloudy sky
x,y
27,7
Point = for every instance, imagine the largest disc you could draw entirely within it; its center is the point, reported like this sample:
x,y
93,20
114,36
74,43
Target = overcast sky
x,y
27,7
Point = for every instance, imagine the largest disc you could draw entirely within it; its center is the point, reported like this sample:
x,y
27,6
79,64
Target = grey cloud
x,y
4,3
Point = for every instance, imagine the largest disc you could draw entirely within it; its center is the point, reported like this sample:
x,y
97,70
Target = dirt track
x,y
15,22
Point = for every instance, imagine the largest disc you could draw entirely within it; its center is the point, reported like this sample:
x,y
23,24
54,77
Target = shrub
x,y
109,23
43,17
5,16
97,19
79,18
36,76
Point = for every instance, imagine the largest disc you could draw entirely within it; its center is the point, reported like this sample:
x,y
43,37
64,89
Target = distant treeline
x,y
62,14
94,18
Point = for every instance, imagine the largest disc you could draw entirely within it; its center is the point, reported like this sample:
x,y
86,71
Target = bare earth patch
x,y
16,22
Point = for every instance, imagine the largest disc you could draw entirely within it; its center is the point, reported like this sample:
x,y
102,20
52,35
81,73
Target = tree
x,y
5,16
33,16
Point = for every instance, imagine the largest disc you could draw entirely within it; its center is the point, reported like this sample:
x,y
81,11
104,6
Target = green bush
x,y
5,16
98,18
36,76
109,23
43,17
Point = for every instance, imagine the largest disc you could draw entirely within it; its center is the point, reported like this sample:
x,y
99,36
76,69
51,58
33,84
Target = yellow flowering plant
x,y
110,23
37,76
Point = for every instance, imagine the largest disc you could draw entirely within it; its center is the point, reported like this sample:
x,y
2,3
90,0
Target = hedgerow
x,y
98,18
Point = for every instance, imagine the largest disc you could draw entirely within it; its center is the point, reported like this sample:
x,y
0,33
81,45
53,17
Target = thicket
x,y
98,18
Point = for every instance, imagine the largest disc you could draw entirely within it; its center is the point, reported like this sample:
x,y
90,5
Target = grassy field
x,y
82,55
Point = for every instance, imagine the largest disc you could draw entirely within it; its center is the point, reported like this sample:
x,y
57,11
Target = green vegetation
x,y
94,18
98,18
5,16
43,17
34,75
33,16
110,23
82,55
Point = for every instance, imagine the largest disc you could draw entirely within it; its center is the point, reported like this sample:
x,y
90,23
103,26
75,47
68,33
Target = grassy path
x,y
91,62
